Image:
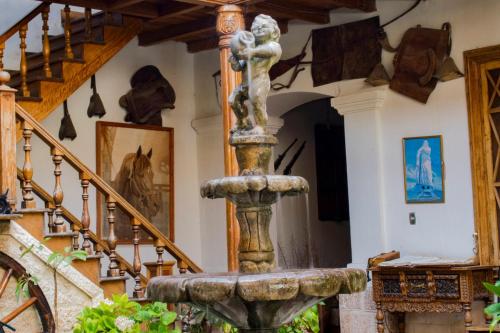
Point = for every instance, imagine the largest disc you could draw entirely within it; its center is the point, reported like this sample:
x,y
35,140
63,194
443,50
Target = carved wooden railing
x,y
21,28
117,265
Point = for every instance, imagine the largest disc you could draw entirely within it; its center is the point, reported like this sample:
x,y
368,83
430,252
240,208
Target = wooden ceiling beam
x,y
212,42
177,32
173,10
307,14
119,4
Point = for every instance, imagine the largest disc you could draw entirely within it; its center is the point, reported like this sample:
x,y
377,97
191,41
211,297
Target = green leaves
x,y
307,322
493,310
114,316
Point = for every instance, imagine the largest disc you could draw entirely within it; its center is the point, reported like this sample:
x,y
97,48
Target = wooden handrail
x,y
72,219
25,20
105,188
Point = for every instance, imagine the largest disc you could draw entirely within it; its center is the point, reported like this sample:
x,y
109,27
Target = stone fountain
x,y
258,298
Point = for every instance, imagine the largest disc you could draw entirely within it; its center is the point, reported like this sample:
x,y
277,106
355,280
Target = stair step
x,y
91,268
33,221
113,285
98,19
59,241
77,36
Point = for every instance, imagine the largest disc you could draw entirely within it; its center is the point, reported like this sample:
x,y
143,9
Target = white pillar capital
x,y
367,100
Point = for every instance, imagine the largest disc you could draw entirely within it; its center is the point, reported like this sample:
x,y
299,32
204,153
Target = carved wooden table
x,y
436,288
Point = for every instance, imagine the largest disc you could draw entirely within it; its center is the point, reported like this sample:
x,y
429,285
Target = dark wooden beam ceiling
x,y
193,21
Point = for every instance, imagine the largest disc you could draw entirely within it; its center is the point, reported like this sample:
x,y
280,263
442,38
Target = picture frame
x,y
424,171
138,162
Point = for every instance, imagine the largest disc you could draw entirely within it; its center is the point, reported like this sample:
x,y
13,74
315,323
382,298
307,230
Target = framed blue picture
x,y
424,169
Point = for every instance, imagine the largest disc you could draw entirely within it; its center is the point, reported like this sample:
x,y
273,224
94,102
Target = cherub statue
x,y
253,54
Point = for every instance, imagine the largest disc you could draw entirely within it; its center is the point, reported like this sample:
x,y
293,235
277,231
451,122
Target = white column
x,y
364,171
213,212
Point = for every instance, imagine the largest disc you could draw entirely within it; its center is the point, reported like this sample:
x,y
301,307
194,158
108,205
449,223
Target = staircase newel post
x,y
8,168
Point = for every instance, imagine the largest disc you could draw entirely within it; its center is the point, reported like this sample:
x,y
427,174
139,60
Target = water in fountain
x,y
310,257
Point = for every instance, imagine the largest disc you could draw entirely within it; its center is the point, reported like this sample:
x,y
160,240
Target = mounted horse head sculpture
x,y
135,183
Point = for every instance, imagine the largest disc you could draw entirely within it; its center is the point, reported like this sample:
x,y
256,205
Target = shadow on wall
x,y
313,230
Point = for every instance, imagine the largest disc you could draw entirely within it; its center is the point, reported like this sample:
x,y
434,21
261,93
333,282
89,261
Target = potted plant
x,y
493,310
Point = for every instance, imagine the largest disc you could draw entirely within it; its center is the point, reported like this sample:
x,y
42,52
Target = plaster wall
x,y
113,81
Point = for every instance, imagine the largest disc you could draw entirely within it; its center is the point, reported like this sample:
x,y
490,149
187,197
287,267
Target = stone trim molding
x,y
371,99
69,273
213,125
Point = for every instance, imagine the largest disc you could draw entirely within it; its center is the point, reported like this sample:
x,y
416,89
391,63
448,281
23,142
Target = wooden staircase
x,y
47,78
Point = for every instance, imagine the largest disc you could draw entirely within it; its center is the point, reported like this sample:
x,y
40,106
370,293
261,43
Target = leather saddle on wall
x,y
420,55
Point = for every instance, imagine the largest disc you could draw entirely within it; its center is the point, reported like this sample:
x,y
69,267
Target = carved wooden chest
x,y
443,288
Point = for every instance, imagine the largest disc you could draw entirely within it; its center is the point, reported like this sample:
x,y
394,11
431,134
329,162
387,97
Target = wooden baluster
x,y
138,289
28,199
183,267
46,44
76,236
159,262
57,157
50,215
114,268
24,63
88,24
2,48
85,181
67,33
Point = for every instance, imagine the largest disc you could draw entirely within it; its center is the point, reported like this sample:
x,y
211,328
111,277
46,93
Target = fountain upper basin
x,y
254,301
254,190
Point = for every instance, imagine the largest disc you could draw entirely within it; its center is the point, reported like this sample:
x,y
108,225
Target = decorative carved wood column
x,y
229,20
8,169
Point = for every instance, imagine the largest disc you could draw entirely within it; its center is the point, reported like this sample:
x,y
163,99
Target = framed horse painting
x,y
137,161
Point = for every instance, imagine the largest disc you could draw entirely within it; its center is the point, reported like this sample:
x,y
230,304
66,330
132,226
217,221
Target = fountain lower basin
x,y
257,302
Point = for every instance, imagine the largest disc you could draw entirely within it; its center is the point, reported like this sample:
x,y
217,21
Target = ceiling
x,y
193,21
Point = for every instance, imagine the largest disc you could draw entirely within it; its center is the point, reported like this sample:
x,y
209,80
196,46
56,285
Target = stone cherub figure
x,y
253,54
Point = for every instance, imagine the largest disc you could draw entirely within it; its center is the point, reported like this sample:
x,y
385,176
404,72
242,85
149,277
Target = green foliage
x,y
307,322
123,315
23,283
493,310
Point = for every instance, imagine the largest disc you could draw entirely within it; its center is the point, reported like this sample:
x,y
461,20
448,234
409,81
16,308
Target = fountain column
x,y
229,21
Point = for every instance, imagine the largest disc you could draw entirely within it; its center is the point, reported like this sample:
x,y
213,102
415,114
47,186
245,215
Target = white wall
x,y
447,228
113,81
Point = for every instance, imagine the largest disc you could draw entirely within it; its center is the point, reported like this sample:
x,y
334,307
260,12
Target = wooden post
x,y
88,24
8,169
229,20
138,289
113,268
2,48
58,195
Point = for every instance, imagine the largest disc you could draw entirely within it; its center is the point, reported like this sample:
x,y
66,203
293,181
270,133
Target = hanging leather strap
x,y
65,107
93,84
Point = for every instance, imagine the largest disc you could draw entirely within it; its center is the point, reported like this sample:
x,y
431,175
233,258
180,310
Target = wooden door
x,y
482,77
